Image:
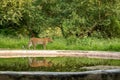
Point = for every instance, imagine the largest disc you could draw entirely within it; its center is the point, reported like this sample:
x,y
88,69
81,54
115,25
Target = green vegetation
x,y
12,43
64,44
76,18
74,24
60,64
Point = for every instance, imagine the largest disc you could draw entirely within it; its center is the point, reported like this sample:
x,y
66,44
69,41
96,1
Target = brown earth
x,y
101,67
59,53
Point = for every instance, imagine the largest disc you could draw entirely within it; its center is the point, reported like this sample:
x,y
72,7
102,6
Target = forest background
x,y
73,24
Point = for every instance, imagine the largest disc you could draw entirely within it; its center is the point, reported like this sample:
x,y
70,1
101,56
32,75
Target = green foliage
x,y
16,17
76,18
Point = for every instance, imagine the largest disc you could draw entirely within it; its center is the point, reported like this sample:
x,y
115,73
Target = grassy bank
x,y
63,44
60,64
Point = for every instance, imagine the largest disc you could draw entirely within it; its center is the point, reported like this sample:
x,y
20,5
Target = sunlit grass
x,y
64,44
87,44
12,43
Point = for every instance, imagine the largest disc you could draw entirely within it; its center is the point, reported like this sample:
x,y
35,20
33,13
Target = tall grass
x,y
64,44
12,42
87,44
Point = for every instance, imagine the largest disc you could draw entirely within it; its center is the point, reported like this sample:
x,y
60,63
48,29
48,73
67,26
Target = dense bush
x,y
78,18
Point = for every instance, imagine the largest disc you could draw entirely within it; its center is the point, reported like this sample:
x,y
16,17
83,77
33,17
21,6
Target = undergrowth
x,y
64,44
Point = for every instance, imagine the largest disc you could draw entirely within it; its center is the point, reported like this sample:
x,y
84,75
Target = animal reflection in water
x,y
39,63
34,42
